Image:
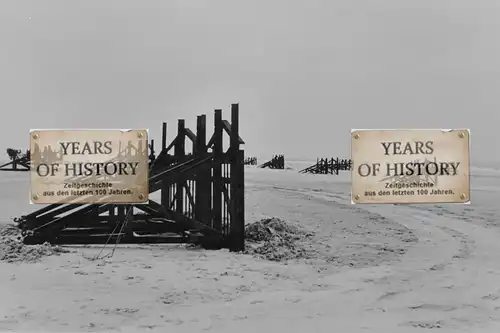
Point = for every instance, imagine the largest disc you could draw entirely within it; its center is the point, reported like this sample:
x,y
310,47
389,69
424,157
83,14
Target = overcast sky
x,y
304,72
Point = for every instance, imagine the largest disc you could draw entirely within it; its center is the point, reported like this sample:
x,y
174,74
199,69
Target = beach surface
x,y
363,268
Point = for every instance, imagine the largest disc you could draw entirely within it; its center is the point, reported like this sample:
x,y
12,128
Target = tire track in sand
x,y
447,280
434,247
450,278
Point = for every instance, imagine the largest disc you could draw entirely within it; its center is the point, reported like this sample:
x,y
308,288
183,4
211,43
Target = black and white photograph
x,y
276,166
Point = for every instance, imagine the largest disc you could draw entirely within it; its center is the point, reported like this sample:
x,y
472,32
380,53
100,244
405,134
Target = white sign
x,y
89,166
410,166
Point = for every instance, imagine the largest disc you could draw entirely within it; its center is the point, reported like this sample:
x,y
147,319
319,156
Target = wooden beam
x,y
171,145
236,202
217,171
179,152
227,128
164,136
191,136
211,141
203,189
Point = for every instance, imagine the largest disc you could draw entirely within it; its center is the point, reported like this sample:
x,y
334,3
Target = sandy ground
x,y
390,268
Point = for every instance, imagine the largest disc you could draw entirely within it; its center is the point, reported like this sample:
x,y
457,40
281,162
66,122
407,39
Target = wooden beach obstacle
x,y
202,197
250,161
329,166
18,161
277,162
22,161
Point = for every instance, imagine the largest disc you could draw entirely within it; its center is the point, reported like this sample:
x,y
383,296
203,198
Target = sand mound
x,y
274,239
10,230
13,250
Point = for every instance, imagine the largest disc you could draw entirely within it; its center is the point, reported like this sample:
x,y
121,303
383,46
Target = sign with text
x,y
410,166
89,166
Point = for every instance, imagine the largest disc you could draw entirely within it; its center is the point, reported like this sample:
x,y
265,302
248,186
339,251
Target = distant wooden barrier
x,y
327,166
277,162
250,161
18,161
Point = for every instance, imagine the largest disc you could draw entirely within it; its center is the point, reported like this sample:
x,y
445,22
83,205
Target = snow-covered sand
x,y
390,268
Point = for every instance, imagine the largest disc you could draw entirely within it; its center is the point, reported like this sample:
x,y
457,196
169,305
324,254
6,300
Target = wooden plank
x,y
192,224
217,171
180,152
211,141
171,145
182,171
227,128
203,195
191,136
164,136
237,204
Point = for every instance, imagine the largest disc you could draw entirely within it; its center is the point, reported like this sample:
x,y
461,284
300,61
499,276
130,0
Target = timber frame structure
x,y
201,197
250,161
328,166
277,162
18,161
